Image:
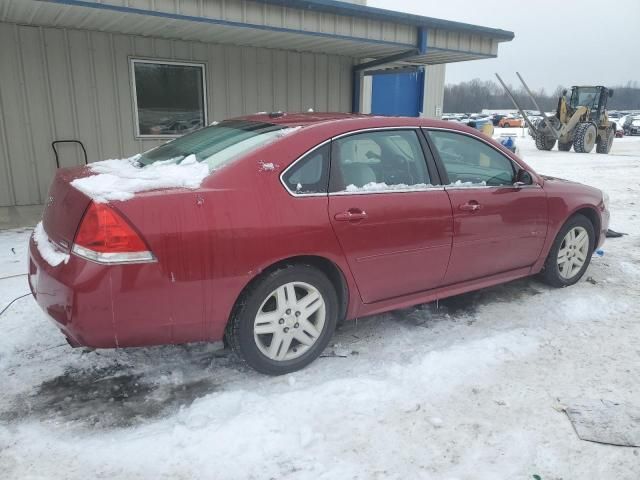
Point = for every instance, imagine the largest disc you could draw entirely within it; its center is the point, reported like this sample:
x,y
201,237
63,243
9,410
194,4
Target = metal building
x,y
116,77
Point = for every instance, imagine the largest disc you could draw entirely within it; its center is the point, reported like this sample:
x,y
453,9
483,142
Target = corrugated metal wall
x,y
73,84
259,13
433,90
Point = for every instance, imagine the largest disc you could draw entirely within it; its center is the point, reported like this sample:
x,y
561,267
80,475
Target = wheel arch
x,y
333,272
593,216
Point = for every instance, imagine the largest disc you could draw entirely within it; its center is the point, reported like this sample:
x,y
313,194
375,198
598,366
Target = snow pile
x,y
48,251
121,179
383,187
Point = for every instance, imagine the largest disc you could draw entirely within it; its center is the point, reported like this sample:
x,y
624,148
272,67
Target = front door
x,y
394,227
497,226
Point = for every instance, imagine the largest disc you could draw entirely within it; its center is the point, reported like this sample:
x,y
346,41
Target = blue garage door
x,y
397,93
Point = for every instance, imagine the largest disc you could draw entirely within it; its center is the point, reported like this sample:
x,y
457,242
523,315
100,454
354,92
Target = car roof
x,y
295,119
357,119
326,125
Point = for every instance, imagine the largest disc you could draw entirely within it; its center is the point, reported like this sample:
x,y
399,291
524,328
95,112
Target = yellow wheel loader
x,y
580,121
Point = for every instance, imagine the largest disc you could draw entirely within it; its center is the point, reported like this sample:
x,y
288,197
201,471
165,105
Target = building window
x,y
169,97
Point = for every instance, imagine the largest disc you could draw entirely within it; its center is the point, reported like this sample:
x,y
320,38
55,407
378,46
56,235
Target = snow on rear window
x,y
217,145
182,163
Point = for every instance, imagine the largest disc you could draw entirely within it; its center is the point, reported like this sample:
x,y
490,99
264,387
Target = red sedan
x,y
270,229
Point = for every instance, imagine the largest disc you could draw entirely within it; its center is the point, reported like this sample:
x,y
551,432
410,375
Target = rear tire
x,y
544,143
605,142
570,253
276,309
565,147
585,137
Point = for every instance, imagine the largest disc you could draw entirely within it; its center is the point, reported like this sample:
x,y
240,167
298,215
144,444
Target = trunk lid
x,y
64,207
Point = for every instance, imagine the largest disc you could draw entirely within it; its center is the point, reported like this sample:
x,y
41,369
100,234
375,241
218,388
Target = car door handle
x,y
351,215
470,206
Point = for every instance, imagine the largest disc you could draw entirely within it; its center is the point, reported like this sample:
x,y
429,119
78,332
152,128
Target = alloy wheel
x,y
289,321
573,252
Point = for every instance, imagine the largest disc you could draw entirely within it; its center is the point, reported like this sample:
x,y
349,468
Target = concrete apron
x,y
20,217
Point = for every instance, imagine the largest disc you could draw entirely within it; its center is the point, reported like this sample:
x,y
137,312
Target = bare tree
x,y
475,95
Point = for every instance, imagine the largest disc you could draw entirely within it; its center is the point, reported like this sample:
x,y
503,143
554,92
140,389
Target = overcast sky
x,y
556,42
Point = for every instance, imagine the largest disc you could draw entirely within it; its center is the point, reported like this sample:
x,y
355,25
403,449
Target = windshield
x,y
585,97
215,145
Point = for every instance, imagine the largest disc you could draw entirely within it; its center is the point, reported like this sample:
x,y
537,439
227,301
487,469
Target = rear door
x,y
497,226
394,225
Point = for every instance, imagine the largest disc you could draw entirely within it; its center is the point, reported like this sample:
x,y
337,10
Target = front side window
x,y
310,174
215,145
169,97
378,161
469,161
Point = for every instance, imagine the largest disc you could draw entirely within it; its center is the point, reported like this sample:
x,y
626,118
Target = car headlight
x,y
605,200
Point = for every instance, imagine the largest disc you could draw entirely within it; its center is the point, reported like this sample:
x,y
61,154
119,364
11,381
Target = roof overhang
x,y
336,27
373,13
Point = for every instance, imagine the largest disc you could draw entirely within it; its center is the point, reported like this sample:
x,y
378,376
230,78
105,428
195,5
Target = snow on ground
x,y
470,389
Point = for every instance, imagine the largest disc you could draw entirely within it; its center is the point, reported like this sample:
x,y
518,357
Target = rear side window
x,y
469,161
310,174
378,161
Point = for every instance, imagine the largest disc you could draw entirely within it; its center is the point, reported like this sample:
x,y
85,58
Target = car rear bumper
x,y
102,306
63,292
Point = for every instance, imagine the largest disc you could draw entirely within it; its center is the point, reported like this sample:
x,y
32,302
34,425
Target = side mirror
x,y
523,178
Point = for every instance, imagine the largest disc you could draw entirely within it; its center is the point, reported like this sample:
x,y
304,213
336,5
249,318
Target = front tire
x,y
284,320
570,253
585,137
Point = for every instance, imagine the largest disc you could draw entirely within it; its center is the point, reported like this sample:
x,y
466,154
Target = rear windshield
x,y
215,145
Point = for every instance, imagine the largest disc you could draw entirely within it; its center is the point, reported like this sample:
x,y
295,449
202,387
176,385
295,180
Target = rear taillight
x,y
104,236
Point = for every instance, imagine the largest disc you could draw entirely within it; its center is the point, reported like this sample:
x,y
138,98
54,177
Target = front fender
x,y
566,199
